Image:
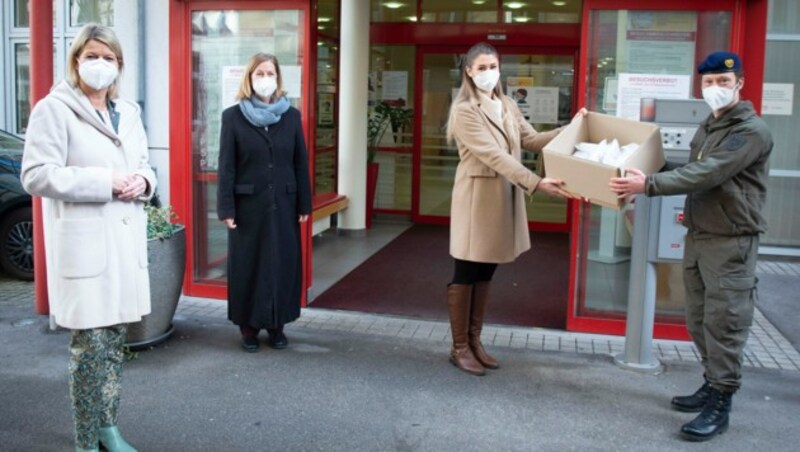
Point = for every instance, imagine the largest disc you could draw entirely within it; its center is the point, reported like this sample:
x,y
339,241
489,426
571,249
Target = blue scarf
x,y
261,114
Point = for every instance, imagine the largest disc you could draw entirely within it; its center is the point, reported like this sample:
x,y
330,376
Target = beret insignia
x,y
735,142
729,63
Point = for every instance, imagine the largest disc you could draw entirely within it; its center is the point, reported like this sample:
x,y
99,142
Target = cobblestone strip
x,y
766,348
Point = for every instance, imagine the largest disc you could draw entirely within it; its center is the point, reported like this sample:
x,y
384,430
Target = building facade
x,y
347,61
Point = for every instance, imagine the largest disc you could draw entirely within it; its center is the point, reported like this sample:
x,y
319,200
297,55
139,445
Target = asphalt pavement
x,y
345,391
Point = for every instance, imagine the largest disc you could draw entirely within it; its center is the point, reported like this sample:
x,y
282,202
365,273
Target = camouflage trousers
x,y
719,274
95,368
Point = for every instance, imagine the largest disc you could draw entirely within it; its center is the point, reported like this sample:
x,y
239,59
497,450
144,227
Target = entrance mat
x,y
409,277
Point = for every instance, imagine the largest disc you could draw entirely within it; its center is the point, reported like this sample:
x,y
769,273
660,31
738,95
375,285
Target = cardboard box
x,y
590,179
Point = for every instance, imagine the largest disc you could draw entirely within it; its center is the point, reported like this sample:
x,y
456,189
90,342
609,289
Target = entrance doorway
x,y
407,276
542,82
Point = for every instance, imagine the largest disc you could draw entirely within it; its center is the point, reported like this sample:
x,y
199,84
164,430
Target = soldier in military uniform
x,y
726,183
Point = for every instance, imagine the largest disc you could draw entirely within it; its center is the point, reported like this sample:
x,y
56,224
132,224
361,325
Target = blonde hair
x,y
468,91
103,35
246,86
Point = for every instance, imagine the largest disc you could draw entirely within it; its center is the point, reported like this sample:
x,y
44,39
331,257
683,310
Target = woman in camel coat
x,y
488,220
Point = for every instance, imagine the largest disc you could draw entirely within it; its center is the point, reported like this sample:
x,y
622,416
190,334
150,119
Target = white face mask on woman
x,y
265,86
98,73
718,97
487,79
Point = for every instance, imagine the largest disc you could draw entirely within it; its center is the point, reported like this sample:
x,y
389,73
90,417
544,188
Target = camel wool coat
x,y
488,221
95,244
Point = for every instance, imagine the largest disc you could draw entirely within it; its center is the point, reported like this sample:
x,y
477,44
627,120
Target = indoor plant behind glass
x,y
387,113
166,252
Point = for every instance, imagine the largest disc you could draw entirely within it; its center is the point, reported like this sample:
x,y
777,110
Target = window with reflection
x,y
393,10
82,12
22,86
391,108
781,72
327,97
22,12
542,12
222,43
542,86
456,11
638,42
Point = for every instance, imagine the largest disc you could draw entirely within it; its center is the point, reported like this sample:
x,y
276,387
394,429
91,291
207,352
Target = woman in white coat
x,y
86,156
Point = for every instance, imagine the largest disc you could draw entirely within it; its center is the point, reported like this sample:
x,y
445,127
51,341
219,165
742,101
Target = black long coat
x,y
264,186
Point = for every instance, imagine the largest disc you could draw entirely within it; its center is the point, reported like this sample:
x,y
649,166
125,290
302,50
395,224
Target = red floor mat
x,y
409,276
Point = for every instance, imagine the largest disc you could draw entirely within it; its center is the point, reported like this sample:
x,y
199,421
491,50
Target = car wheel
x,y
16,243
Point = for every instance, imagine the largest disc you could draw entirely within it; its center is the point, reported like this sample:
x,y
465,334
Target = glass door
x,y
669,41
219,43
541,81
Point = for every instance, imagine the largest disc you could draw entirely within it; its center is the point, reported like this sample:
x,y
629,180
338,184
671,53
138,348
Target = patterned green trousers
x,y
95,369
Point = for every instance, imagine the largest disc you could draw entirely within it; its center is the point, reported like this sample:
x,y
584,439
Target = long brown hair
x,y
468,92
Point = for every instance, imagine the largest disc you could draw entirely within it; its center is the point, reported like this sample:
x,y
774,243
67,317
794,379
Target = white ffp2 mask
x,y
486,80
718,97
98,73
265,86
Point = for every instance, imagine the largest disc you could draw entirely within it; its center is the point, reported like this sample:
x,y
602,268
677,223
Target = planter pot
x,y
372,186
167,260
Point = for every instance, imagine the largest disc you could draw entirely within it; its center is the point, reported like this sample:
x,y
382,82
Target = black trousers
x,y
468,272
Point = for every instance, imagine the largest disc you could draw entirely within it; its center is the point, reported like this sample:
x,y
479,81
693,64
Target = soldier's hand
x,y
631,184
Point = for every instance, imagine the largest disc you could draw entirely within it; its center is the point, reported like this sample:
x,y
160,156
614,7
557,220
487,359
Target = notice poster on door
x,y
231,78
659,41
325,112
632,88
777,99
543,102
394,87
518,88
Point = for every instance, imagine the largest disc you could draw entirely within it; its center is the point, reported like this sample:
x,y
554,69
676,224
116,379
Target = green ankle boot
x,y
111,439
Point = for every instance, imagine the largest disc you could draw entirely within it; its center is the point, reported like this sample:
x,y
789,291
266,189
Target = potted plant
x,y
387,113
166,250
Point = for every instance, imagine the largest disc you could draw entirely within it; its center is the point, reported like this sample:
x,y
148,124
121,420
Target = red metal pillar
x,y
41,73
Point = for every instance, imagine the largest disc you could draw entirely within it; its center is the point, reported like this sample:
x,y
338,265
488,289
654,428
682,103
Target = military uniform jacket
x,y
726,177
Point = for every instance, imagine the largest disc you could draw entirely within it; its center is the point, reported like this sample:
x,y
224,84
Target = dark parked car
x,y
16,225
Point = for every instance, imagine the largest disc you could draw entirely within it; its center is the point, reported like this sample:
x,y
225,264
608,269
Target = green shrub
x,y
159,222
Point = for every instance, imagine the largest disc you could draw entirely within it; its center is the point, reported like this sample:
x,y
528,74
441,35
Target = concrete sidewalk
x,y
335,389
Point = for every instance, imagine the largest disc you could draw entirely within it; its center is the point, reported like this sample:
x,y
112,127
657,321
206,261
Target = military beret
x,y
718,62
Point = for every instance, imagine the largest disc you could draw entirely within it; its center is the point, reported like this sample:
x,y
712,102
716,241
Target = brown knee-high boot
x,y
459,297
480,296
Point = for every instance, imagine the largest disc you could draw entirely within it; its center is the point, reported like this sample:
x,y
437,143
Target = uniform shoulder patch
x,y
735,142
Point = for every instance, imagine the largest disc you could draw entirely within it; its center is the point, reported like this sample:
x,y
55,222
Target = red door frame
x,y
748,39
181,164
421,52
41,75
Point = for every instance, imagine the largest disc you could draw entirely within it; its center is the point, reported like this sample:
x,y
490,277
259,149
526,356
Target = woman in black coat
x,y
263,195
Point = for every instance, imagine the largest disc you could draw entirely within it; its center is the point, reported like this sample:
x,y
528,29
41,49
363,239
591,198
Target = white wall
x,y
125,26
156,98
147,57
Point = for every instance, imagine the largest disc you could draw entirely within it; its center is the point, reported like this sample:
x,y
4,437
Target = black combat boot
x,y
712,421
692,403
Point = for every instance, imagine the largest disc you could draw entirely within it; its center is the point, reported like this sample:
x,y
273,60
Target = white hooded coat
x,y
95,244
